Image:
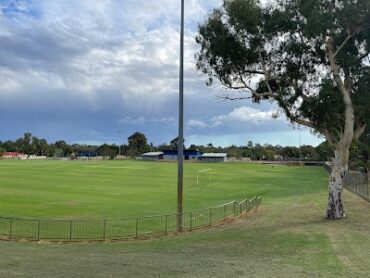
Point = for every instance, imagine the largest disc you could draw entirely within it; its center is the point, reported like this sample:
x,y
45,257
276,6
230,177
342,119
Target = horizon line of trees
x,y
137,144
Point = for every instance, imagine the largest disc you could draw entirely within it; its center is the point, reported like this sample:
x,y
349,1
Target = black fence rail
x,y
120,229
356,182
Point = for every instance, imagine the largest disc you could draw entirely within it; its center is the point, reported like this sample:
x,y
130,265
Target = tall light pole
x,y
180,147
300,145
368,147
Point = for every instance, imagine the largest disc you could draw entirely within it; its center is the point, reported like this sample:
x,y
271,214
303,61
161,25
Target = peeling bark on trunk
x,y
339,172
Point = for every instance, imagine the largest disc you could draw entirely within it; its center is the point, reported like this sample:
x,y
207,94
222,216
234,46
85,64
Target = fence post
x,y
137,227
70,229
224,211
104,229
11,229
38,229
166,224
210,217
234,208
191,221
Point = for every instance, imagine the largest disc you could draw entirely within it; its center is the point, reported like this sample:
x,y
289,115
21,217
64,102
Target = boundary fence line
x,y
121,229
355,182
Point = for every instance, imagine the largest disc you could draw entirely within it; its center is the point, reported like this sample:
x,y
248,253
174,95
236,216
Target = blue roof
x,y
87,153
186,152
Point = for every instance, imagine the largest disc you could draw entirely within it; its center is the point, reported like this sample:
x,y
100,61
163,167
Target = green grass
x,y
74,189
288,237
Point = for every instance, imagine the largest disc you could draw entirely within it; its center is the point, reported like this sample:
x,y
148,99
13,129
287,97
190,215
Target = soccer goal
x,y
205,172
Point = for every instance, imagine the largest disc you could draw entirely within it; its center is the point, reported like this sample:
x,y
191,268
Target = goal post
x,y
209,171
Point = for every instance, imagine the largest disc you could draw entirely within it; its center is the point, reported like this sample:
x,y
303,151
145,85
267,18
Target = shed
x,y
152,156
188,154
214,157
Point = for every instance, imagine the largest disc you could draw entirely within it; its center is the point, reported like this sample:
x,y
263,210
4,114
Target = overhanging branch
x,y
349,36
359,131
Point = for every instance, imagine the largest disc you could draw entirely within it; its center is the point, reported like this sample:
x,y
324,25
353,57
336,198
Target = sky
x,y
96,71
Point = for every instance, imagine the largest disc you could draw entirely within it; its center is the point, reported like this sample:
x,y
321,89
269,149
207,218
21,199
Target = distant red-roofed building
x,y
14,155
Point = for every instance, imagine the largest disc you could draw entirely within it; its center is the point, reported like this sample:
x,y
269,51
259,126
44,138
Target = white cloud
x,y
246,114
196,124
86,47
143,120
133,121
243,114
167,120
90,62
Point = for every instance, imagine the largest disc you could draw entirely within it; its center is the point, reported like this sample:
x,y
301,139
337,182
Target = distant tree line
x,y
137,144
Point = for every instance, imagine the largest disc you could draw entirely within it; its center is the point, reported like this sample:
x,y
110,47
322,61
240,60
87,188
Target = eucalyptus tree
x,y
137,144
311,57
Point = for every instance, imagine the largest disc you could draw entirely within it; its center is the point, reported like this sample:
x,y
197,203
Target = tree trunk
x,y
338,174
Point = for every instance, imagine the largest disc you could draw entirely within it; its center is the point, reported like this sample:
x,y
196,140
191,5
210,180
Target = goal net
x,y
204,172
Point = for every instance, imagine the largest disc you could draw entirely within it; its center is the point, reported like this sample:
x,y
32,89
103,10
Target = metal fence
x,y
356,182
120,229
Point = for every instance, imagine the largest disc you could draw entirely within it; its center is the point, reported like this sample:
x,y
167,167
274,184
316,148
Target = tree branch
x,y
254,71
253,91
244,86
304,122
307,98
359,131
233,98
346,95
349,36
343,44
329,137
267,76
364,56
296,119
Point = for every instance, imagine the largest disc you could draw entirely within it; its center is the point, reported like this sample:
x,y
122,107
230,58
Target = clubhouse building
x,y
188,155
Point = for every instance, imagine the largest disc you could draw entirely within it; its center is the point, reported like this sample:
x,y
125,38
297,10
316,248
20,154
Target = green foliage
x,y
284,48
106,150
325,151
175,143
360,151
137,144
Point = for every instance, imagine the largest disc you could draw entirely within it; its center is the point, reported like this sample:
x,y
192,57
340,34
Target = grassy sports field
x,y
88,189
288,237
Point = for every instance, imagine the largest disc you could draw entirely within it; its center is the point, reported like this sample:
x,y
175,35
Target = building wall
x,y
156,157
188,155
174,157
169,157
213,159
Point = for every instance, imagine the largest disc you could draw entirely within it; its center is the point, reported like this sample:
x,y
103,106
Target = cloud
x,y
197,124
93,47
132,121
247,115
243,114
71,67
142,120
